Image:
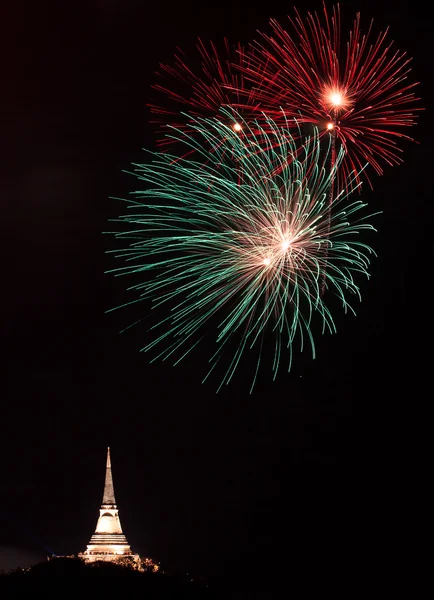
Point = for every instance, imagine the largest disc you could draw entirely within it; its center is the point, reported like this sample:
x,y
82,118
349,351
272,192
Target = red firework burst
x,y
359,92
190,90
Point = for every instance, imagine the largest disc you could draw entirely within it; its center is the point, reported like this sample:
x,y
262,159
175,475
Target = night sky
x,y
322,467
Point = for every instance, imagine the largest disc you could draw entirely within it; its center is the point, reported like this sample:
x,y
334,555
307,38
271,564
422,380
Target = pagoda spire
x,y
109,543
109,493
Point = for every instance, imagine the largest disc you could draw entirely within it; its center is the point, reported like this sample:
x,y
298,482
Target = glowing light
x,y
285,245
336,99
267,261
330,126
237,127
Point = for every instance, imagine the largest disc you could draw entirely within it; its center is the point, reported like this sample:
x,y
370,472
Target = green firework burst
x,y
234,245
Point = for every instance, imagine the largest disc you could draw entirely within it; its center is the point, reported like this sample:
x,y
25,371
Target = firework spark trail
x,y
361,89
240,262
331,192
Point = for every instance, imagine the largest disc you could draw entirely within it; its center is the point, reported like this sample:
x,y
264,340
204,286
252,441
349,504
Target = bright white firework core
x,y
237,127
336,99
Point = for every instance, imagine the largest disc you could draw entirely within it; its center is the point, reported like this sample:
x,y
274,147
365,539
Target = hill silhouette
x,y
69,575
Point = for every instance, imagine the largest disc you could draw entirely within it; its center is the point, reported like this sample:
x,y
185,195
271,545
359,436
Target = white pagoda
x,y
108,543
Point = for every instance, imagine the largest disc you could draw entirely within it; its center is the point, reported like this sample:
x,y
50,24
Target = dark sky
x,y
329,456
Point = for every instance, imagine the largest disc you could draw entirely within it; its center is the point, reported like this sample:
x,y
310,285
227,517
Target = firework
x,y
358,92
240,262
187,90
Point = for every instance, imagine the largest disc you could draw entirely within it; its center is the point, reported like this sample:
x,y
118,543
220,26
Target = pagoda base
x,y
120,558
